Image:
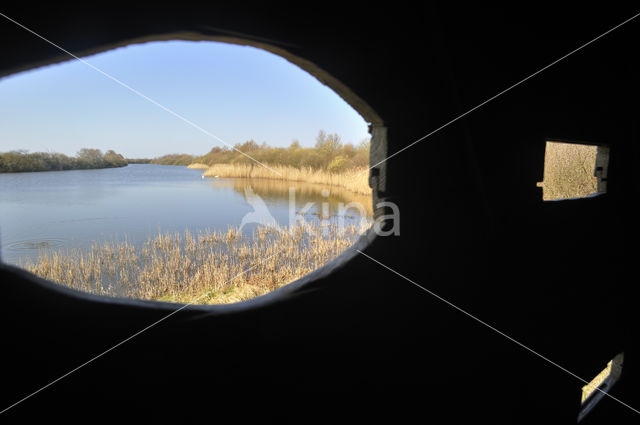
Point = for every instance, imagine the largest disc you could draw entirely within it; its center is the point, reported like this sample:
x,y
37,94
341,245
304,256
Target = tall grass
x,y
209,267
354,180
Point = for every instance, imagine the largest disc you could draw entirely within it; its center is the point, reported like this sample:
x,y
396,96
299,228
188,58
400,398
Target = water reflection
x,y
279,192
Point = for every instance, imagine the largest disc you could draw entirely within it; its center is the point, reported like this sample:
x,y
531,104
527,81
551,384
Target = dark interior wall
x,y
555,276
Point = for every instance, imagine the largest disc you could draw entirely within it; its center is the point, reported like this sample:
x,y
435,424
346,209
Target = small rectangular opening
x,y
601,384
573,170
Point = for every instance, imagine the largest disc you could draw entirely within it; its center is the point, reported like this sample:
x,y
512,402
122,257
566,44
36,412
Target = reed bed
x,y
355,180
208,267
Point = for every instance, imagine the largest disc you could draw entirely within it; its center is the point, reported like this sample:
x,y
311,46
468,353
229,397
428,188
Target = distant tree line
x,y
329,153
23,161
171,159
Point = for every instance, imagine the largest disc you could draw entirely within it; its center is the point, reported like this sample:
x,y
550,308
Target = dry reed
x,y
210,267
354,180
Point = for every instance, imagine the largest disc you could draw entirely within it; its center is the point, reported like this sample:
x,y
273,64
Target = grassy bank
x,y
354,180
206,268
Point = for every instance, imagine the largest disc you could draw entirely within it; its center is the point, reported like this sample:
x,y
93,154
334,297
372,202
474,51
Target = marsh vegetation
x,y
355,180
207,267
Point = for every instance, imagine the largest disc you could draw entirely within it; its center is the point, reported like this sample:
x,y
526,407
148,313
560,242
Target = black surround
x,y
354,342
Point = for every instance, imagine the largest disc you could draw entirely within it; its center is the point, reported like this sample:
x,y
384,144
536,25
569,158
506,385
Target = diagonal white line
x,y
175,114
504,91
493,329
162,319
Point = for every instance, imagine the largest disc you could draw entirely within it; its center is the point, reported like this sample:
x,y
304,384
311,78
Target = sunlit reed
x,y
207,267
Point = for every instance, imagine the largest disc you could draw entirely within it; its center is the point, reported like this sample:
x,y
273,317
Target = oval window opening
x,y
180,171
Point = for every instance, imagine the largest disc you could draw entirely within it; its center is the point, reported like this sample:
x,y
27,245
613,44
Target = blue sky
x,y
235,92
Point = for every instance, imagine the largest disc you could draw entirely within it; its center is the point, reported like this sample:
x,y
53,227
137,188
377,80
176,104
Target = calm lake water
x,y
71,209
